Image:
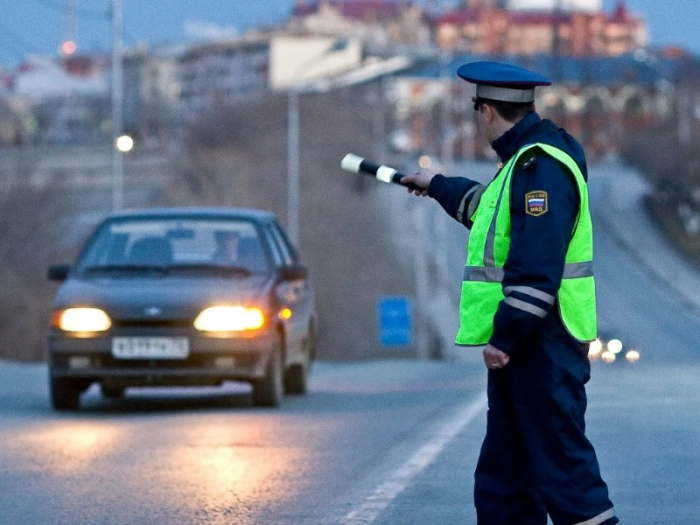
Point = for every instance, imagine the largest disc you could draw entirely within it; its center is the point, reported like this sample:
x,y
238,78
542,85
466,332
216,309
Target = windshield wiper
x,y
204,267
135,268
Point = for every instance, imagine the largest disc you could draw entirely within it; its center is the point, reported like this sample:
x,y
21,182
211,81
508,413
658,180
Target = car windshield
x,y
169,246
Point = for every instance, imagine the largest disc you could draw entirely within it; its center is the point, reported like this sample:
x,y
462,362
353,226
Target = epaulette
x,y
529,161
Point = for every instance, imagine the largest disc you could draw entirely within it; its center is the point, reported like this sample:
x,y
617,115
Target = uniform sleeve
x,y
458,196
540,237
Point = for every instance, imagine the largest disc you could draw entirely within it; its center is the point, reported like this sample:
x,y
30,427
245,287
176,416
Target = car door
x,y
297,295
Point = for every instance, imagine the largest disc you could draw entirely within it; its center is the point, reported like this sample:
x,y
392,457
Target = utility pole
x,y
379,123
70,24
673,88
293,206
557,44
447,142
117,107
685,127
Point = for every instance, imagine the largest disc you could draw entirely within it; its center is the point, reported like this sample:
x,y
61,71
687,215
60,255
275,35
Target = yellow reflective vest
x,y
487,250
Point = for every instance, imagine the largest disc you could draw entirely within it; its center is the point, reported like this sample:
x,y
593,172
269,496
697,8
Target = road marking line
x,y
385,492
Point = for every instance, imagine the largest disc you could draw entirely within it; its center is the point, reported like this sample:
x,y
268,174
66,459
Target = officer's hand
x,y
421,179
494,358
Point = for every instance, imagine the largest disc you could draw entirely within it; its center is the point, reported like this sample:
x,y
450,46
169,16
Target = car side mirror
x,y
294,272
58,272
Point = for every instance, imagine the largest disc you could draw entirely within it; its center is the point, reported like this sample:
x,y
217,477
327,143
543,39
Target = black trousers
x,y
536,460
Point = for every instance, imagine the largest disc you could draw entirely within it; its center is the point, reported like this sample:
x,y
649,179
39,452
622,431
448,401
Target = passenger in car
x,y
232,249
226,247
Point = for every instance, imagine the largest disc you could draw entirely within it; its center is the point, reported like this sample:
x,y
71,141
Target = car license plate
x,y
150,347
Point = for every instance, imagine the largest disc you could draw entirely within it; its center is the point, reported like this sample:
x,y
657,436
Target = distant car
x,y
183,296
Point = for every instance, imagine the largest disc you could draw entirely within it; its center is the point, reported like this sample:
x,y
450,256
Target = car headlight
x,y
81,320
229,319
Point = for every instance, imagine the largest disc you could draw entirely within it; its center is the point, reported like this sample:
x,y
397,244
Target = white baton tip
x,y
385,173
351,163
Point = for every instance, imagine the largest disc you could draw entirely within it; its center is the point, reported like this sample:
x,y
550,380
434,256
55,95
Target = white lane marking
x,y
385,492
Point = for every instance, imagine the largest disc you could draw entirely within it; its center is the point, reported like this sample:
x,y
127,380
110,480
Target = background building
x,y
600,100
151,91
222,74
295,60
591,6
531,27
380,22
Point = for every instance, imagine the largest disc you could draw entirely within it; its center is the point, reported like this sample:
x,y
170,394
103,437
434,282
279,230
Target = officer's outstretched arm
x,y
458,196
420,179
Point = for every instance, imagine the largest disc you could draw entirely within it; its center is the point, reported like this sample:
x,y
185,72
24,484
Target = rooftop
x,y
606,70
618,15
358,9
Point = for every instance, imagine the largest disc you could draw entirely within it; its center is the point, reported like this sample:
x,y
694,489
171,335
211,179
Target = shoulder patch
x,y
536,203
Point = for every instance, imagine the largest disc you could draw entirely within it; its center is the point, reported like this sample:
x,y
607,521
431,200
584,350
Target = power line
x,y
93,14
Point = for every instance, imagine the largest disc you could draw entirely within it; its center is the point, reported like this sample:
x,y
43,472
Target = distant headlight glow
x,y
229,319
82,320
615,346
608,356
632,356
594,348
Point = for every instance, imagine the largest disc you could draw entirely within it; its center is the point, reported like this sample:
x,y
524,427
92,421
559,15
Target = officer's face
x,y
486,119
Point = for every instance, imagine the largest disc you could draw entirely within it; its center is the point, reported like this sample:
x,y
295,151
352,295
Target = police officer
x,y
528,295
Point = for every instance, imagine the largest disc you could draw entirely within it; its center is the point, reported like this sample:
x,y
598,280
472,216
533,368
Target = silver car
x,y
183,296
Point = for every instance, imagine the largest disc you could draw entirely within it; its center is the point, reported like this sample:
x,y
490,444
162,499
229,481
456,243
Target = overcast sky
x,y
37,26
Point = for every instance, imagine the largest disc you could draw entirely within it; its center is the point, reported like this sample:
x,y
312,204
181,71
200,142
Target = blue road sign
x,y
394,321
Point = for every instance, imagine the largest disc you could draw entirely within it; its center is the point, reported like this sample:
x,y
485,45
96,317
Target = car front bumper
x,y
211,360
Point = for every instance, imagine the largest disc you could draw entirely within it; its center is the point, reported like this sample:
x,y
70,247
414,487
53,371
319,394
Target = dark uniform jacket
x,y
538,243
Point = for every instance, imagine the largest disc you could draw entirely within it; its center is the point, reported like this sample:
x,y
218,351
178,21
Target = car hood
x,y
165,297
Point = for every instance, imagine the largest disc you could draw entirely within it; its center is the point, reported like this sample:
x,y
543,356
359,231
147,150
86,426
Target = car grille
x,y
243,360
152,323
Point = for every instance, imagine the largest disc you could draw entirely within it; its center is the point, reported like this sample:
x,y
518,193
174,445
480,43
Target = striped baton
x,y
356,164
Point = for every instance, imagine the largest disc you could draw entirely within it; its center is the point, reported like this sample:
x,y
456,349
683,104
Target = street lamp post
x,y
447,143
117,106
682,110
293,164
293,94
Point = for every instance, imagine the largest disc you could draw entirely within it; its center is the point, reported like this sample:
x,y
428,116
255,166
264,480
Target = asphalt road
x,y
389,442
194,456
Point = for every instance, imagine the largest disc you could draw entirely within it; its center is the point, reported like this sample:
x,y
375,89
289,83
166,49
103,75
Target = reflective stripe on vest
x,y
489,242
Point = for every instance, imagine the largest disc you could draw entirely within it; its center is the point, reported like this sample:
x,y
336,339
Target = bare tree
x,y
30,219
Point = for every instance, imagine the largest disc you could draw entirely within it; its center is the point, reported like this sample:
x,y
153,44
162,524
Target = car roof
x,y
195,212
